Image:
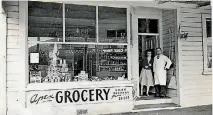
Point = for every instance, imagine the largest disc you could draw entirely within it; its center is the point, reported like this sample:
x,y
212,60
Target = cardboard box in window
x,y
83,76
35,76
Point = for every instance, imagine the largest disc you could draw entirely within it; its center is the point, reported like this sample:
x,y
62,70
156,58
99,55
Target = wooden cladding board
x,y
195,85
13,54
169,22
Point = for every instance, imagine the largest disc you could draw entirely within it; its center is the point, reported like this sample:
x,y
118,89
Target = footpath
x,y
198,110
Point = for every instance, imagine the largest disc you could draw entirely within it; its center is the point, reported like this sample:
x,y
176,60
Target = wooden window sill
x,y
207,72
73,85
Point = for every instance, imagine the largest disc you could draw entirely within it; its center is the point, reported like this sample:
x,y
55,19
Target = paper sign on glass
x,y
34,57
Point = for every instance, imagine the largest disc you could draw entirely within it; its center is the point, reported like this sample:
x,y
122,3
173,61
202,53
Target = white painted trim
x,y
3,57
23,33
149,34
64,22
161,30
149,16
129,70
93,3
155,109
154,101
206,70
79,43
135,67
97,28
178,57
118,3
72,85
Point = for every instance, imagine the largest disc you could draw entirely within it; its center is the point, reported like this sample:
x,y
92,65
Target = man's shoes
x,y
161,96
157,89
156,95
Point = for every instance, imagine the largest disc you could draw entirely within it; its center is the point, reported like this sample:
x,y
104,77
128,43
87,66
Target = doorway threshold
x,y
152,100
154,107
151,97
151,103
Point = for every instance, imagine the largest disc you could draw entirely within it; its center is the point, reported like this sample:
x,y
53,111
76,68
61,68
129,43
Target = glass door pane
x,y
147,25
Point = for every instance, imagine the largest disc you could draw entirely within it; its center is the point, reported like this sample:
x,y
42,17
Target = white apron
x,y
159,71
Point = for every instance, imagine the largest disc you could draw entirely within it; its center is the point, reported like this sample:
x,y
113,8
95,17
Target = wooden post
x,y
23,34
3,97
178,60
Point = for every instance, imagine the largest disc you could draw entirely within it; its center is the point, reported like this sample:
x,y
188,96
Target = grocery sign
x,y
79,96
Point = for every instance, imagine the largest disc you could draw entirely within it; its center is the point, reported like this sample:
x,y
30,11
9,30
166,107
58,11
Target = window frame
x,y
206,70
31,86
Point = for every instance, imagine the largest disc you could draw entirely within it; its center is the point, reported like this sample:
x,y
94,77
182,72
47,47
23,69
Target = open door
x,y
148,39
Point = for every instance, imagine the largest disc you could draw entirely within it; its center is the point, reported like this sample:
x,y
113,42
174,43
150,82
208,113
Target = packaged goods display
x,y
83,76
68,63
35,77
113,60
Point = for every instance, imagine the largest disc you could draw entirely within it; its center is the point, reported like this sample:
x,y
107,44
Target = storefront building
x,y
84,57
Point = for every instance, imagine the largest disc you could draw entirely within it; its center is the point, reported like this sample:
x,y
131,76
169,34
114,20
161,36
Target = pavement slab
x,y
198,110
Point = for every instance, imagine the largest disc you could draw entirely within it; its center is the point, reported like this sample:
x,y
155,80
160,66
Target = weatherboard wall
x,y
196,87
169,35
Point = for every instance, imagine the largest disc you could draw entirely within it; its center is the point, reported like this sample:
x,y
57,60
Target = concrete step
x,y
152,100
153,107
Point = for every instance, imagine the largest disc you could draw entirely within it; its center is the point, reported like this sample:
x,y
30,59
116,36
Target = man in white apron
x,y
160,65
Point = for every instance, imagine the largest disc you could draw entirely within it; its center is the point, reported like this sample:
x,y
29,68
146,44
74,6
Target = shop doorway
x,y
146,43
152,28
149,37
148,40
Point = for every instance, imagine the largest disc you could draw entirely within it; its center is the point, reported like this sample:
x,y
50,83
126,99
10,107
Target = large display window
x,y
71,43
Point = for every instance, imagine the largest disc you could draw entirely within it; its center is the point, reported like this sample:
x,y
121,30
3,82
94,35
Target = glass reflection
x,y
147,25
112,25
45,21
80,23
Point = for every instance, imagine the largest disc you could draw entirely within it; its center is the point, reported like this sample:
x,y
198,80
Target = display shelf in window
x,y
113,62
114,40
79,39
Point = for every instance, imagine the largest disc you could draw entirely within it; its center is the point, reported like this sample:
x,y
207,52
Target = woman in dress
x,y
146,75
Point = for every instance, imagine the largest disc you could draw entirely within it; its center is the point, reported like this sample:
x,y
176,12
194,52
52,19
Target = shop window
x,y
112,25
68,63
207,43
64,46
80,23
45,22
